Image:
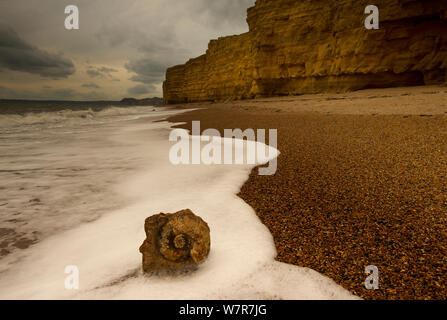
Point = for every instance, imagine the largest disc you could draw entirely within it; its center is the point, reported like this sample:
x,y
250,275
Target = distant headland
x,y
155,101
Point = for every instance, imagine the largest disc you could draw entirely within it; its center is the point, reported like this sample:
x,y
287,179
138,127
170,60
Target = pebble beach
x,y
361,180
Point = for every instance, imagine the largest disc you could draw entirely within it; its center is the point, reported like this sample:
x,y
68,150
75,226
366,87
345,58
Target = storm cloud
x,y
124,47
100,72
18,55
147,70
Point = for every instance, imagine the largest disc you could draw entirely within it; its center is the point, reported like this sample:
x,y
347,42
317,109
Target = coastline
x,y
361,181
104,249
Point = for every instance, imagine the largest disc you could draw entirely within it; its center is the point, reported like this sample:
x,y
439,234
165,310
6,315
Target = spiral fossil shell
x,y
174,241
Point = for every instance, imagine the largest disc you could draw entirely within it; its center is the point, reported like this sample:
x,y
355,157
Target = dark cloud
x,y
16,54
164,45
91,85
93,73
145,37
100,72
147,70
106,70
141,89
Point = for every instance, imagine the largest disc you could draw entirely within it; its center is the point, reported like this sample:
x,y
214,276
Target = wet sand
x,y
361,180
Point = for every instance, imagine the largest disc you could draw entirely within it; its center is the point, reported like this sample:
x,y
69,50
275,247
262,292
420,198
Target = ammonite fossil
x,y
174,241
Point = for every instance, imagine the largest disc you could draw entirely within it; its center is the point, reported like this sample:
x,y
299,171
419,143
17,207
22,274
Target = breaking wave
x,y
74,117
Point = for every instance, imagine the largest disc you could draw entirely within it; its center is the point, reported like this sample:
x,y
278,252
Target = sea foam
x,y
241,262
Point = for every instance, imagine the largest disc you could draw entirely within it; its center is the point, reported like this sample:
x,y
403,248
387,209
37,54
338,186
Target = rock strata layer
x,y
312,46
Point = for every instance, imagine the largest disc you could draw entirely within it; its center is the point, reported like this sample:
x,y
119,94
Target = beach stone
x,y
175,241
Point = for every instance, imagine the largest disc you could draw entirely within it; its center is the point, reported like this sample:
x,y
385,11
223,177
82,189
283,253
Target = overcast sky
x,y
122,48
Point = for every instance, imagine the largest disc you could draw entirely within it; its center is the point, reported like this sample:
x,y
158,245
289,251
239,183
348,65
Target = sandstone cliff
x,y
311,46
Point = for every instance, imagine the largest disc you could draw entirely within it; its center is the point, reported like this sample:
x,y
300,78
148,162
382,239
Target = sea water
x,y
76,187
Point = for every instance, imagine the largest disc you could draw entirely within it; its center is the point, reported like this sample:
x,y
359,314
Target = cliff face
x,y
226,70
311,46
